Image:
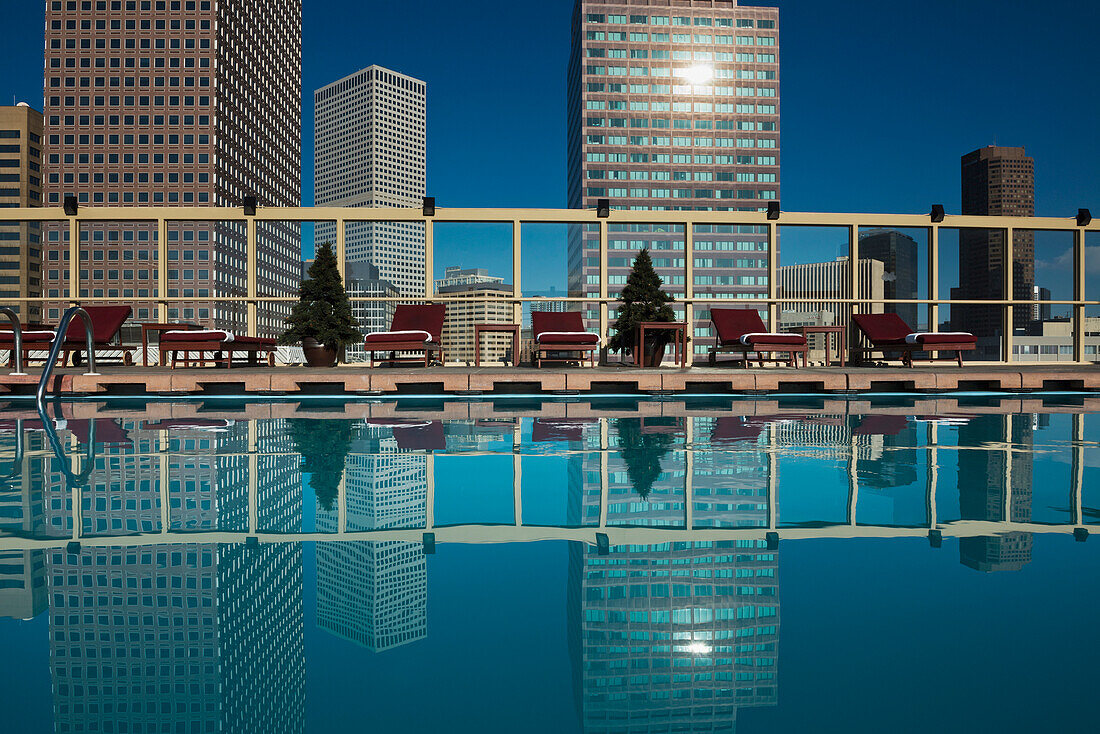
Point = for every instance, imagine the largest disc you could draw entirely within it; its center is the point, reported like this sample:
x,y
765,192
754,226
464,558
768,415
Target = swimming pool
x,y
582,565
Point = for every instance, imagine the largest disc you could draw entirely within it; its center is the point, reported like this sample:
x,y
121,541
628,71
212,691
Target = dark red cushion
x,y
193,336
106,322
733,323
29,337
420,317
950,339
883,328
786,340
253,341
569,338
389,338
561,321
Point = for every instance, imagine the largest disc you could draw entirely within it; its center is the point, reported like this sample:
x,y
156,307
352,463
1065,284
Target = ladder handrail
x,y
59,341
17,337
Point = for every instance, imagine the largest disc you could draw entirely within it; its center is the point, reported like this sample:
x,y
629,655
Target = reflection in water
x,y
673,625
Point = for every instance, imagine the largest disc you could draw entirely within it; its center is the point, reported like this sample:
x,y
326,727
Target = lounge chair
x,y
742,331
551,430
107,324
216,342
888,333
563,333
415,328
415,435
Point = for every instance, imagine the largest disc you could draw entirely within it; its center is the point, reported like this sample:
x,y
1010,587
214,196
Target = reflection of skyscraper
x,y
898,253
184,636
22,572
375,593
984,474
675,636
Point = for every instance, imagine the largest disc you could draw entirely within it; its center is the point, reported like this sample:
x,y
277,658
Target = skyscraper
x,y
21,186
996,181
193,103
370,148
673,108
898,253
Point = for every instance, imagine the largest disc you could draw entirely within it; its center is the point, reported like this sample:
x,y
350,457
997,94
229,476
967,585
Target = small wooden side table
x,y
156,328
679,338
841,340
480,329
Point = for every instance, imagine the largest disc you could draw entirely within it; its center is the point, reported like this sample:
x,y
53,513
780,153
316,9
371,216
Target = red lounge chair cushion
x,y
205,335
785,340
427,318
568,338
29,337
733,323
254,341
883,329
392,337
106,322
946,338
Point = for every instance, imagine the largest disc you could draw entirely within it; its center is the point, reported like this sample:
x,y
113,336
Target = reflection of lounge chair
x,y
416,328
562,333
888,332
881,425
216,342
419,436
547,430
108,432
742,331
731,429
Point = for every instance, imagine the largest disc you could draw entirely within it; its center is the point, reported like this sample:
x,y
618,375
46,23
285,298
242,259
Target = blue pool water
x,y
590,566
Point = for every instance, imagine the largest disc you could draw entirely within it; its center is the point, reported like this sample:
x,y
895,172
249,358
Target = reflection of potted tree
x,y
642,452
324,446
642,300
322,320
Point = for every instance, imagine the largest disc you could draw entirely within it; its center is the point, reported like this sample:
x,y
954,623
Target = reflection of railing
x,y
687,220
769,448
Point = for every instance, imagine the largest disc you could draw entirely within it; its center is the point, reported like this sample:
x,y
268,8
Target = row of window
x,y
677,20
681,176
130,101
742,194
130,81
128,120
699,160
644,106
596,52
665,89
681,124
118,5
681,142
661,71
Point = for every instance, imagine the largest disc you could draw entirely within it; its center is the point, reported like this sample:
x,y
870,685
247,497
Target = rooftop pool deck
x,y
361,380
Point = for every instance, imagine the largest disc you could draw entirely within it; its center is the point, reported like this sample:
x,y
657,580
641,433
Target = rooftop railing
x,y
687,223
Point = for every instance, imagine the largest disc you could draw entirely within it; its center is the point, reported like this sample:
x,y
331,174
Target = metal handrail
x,y
63,462
59,341
20,450
17,337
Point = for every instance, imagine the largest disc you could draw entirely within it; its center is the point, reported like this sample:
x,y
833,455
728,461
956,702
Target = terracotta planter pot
x,y
654,353
317,355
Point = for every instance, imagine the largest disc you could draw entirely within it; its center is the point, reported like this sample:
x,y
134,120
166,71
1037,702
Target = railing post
x,y
604,308
689,474
253,269
853,264
933,279
517,273
1008,317
1079,295
605,470
341,249
162,270
429,258
1008,467
689,284
773,277
74,261
933,475
253,478
1078,462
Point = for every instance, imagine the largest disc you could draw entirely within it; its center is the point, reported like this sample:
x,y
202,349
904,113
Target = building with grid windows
x,y
370,148
155,102
674,106
21,186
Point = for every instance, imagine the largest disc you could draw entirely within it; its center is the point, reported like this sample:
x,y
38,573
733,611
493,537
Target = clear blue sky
x,y
880,99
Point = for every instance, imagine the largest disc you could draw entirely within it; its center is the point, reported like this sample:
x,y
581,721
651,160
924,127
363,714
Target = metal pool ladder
x,y
55,349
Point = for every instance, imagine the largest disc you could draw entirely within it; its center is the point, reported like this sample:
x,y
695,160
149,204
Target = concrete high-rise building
x,y
484,301
898,253
370,150
193,103
831,280
21,186
996,181
362,280
674,106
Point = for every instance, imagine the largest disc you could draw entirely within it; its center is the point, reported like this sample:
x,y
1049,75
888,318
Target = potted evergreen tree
x,y
642,300
322,320
642,452
324,446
